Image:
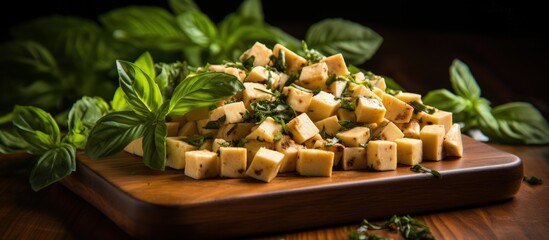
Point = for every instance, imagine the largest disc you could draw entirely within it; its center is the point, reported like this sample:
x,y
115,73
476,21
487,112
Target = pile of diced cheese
x,y
387,130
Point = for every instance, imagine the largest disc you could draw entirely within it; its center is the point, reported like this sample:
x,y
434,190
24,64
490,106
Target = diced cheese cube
x,y
266,131
377,91
135,147
359,76
234,131
315,142
233,162
283,79
289,148
302,128
175,152
354,158
337,87
381,155
363,91
314,76
260,74
238,73
259,52
188,129
410,129
387,131
201,164
253,146
378,82
346,115
197,114
369,110
409,151
397,110
315,162
354,137
233,112
172,129
218,143
408,97
432,137
265,165
254,92
329,125
322,105
453,145
439,117
294,62
336,65
337,149
206,145
299,100
202,130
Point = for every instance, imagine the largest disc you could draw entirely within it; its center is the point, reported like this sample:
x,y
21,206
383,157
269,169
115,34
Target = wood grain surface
x,y
147,203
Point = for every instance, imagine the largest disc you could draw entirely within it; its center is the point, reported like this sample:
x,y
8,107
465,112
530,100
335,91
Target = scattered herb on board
x,y
533,180
408,227
422,169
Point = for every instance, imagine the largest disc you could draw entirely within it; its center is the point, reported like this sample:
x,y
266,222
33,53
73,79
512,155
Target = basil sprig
x,y
116,130
511,123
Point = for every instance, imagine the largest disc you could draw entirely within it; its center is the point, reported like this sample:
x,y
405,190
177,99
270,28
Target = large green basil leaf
x,y
37,128
10,141
52,166
82,118
463,81
154,145
251,9
198,27
356,42
113,132
119,102
521,122
146,63
141,91
202,90
181,6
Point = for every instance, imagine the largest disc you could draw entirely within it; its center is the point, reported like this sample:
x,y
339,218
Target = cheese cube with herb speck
x,y
337,87
265,165
201,164
172,129
329,125
233,112
218,143
408,97
336,65
322,105
369,110
266,131
294,62
315,163
381,155
253,146
354,137
299,100
388,131
289,148
314,141
234,131
254,92
354,158
453,145
233,162
202,130
397,110
410,129
378,82
432,137
363,91
260,74
302,128
175,152
439,117
337,149
259,52
188,129
314,76
346,115
409,151
135,147
206,145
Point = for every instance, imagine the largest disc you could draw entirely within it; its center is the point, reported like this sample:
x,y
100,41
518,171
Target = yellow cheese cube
x,y
378,82
206,145
188,129
201,164
232,162
336,65
289,148
172,129
439,117
397,110
363,91
409,151
408,97
282,82
238,73
253,146
315,162
259,52
354,158
218,143
337,149
381,155
322,105
233,112
453,145
234,131
337,87
299,100
346,115
260,74
369,110
135,147
266,131
354,137
410,129
265,165
314,76
302,128
294,62
315,142
254,92
329,125
432,137
175,152
387,131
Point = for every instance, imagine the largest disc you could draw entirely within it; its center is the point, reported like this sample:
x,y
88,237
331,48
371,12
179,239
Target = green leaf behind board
x,y
36,127
463,81
52,166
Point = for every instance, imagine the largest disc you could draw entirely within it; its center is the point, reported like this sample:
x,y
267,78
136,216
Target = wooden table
x,y
419,62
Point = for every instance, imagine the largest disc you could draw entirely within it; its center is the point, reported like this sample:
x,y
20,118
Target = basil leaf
x,y
145,62
141,91
82,117
10,141
202,90
521,122
145,27
463,81
356,42
181,6
252,9
52,166
446,100
27,59
119,102
113,132
198,27
37,128
154,145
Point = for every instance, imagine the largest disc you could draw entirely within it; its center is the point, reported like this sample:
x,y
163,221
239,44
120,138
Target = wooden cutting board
x,y
156,204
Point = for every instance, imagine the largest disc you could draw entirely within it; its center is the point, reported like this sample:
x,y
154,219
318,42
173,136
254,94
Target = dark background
x,y
504,43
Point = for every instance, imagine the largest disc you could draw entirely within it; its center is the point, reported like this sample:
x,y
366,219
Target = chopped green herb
x,y
279,62
345,103
422,169
277,136
197,140
313,56
216,124
408,227
420,107
533,180
346,125
392,91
